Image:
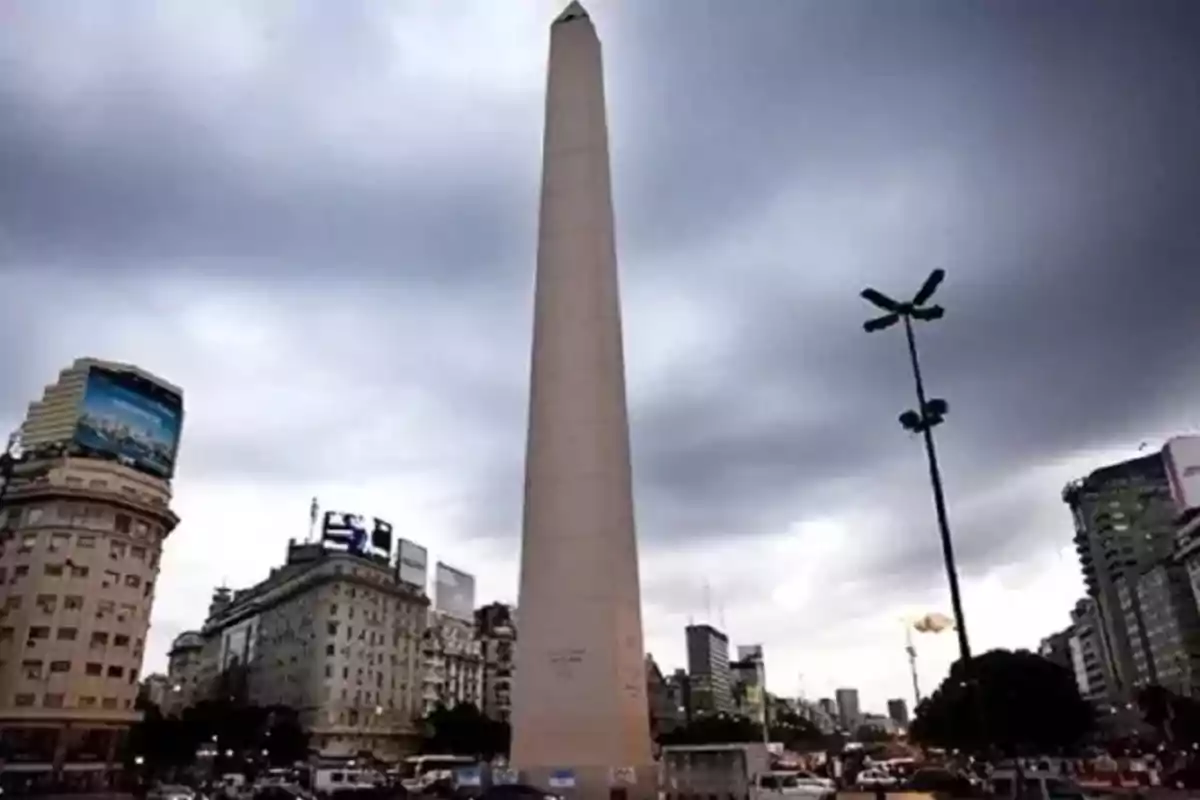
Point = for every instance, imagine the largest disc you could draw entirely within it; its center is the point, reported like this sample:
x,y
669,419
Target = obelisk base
x,y
597,783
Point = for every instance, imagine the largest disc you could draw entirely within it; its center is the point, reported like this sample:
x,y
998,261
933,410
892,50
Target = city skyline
x,y
343,294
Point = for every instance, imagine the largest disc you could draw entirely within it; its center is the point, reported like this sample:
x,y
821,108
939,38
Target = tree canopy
x,y
246,731
464,730
792,730
1017,701
1175,718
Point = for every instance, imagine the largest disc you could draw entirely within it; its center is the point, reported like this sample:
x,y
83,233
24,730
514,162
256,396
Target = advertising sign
x,y
562,779
238,643
412,564
1182,457
358,534
131,419
468,777
454,592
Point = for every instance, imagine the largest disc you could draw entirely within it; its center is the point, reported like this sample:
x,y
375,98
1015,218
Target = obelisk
x,y
579,693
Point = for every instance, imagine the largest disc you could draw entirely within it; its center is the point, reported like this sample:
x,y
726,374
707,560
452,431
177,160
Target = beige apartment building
x,y
84,511
333,635
82,541
187,678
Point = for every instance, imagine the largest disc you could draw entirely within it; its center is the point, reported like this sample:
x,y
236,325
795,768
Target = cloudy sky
x,y
320,220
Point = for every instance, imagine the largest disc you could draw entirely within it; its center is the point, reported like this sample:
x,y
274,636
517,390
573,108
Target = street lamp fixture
x,y
929,413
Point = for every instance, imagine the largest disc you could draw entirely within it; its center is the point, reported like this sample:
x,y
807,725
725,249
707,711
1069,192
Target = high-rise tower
x,y
579,696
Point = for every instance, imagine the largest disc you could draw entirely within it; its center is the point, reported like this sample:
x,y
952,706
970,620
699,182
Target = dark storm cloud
x,y
1055,144
1072,260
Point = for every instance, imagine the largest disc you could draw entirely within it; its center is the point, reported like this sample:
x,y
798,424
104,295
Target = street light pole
x,y
939,500
928,414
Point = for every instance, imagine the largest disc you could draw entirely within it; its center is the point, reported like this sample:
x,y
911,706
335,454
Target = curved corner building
x,y
84,511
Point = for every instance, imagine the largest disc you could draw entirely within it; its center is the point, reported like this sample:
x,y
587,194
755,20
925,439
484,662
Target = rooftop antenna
x,y
721,614
707,602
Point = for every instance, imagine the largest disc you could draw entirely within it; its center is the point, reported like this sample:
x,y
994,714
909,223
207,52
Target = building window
x,y
138,552
116,550
87,702
120,640
46,603
72,602
60,666
79,572
332,628
104,608
93,669
116,672
108,703
20,571
122,523
67,634
27,543
60,541
39,632
24,700
111,578
86,543
329,650
12,603
54,570
6,633
133,581
32,669
99,639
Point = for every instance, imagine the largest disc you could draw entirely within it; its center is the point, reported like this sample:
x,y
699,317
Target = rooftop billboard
x,y
412,564
131,419
454,592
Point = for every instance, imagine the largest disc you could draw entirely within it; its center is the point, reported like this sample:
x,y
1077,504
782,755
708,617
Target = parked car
x,y
1034,785
167,791
786,784
875,778
938,779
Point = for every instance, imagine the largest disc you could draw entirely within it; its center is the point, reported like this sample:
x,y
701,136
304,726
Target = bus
x,y
418,772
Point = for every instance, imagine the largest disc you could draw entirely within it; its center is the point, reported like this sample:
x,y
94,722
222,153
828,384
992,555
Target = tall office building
x,y
708,670
898,711
1089,653
496,629
333,634
1162,619
1124,523
580,684
849,714
84,513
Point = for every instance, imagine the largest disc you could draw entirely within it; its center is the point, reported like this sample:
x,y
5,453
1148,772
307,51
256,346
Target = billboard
x,y
749,652
1182,458
130,418
357,534
238,645
412,564
454,592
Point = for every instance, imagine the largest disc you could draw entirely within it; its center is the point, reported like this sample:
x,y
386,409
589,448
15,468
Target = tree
x,y
464,730
1018,702
714,729
1177,719
871,734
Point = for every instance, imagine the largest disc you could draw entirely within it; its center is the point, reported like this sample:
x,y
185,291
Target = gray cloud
x,y
770,162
